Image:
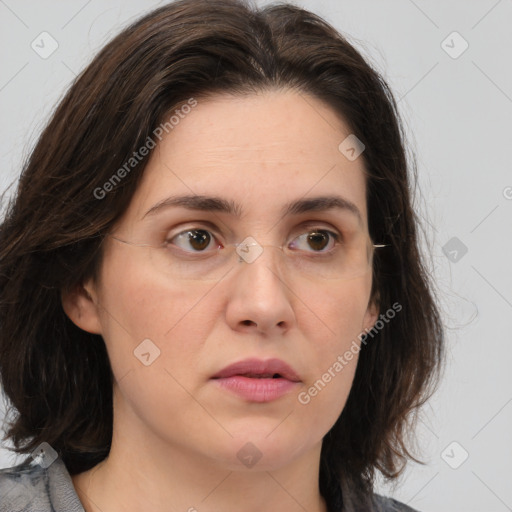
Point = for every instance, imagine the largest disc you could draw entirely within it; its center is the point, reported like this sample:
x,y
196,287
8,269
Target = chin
x,y
257,450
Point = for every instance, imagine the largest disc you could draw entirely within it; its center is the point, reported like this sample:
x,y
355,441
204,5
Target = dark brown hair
x,y
58,377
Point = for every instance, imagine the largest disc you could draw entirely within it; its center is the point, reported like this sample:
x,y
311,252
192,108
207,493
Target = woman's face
x,y
169,330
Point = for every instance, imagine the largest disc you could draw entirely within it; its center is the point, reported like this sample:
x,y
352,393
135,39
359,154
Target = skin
x,y
176,433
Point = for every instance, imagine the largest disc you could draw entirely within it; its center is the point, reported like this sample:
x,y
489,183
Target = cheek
x,y
325,392
333,325
154,334
140,305
332,317
322,399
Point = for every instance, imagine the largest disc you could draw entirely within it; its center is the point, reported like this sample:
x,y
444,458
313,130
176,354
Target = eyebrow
x,y
218,204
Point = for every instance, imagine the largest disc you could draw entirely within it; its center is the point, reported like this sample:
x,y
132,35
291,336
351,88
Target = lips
x,y
259,369
254,380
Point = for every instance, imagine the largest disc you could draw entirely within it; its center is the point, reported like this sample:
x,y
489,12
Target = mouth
x,y
259,369
260,376
258,381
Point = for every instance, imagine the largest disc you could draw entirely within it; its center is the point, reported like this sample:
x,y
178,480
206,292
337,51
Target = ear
x,y
371,316
81,306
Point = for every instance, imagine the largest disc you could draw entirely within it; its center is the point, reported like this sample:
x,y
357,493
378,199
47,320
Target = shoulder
x,y
382,504
29,487
23,486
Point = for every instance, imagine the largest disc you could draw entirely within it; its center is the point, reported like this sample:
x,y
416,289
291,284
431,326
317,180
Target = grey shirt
x,y
29,487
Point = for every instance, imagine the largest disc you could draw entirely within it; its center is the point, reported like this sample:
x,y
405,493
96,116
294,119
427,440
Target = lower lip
x,y
257,390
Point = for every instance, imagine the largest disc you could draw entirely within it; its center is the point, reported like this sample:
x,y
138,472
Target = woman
x,y
212,295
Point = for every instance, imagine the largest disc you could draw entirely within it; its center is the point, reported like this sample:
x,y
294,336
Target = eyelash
x,y
334,236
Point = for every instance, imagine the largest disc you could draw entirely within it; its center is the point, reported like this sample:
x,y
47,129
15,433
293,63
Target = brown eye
x,y
197,239
316,241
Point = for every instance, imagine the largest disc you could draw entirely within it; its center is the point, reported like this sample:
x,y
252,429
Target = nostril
x,y
247,322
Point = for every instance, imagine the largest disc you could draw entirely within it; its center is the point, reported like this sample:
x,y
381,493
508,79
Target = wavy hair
x,y
57,377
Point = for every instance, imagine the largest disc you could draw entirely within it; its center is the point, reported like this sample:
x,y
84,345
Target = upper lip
x,y
256,367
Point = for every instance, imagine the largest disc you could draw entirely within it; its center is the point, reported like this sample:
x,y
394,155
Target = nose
x,y
260,298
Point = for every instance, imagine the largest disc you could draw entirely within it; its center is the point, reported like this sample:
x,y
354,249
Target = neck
x,y
144,472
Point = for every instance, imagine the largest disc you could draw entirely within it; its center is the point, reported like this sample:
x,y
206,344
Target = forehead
x,y
260,151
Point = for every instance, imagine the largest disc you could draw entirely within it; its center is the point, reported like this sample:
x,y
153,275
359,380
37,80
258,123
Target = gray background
x,y
457,112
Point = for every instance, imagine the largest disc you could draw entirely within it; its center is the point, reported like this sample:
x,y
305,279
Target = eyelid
x,y
321,225
327,224
210,226
197,226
